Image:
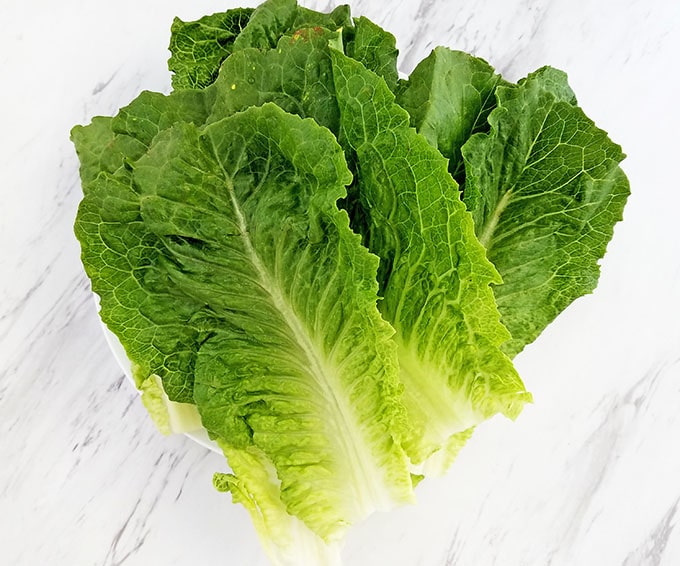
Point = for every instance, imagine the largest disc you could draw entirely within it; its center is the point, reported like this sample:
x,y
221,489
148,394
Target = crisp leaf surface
x,y
334,20
448,97
275,18
297,76
298,361
101,150
375,48
198,48
287,76
158,332
255,485
545,190
120,255
434,273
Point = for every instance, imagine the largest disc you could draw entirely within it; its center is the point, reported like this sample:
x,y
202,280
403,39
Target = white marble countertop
x,y
589,474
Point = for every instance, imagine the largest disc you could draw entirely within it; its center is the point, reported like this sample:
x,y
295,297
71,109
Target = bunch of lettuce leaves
x,y
332,266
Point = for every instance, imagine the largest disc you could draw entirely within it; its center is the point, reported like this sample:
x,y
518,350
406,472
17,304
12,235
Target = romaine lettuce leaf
x,y
438,298
297,76
138,303
448,97
435,278
101,150
181,307
119,255
296,359
374,48
169,416
273,19
198,48
545,190
286,540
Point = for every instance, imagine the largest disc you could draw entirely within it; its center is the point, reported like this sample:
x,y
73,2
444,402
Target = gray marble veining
x,y
587,475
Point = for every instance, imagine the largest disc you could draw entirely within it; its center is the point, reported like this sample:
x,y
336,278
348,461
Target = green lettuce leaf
x,y
448,97
254,484
545,190
434,274
101,150
274,18
336,19
198,48
168,416
297,76
119,256
472,379
375,48
296,360
137,303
